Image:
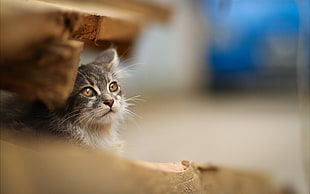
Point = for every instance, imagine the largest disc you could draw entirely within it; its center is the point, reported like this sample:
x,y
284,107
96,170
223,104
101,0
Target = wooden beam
x,y
46,73
115,29
26,24
114,20
135,10
62,168
37,60
102,28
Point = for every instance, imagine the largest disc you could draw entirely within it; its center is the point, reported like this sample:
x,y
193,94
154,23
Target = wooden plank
x,y
48,74
34,34
114,29
25,24
62,168
112,20
87,30
134,10
37,59
94,28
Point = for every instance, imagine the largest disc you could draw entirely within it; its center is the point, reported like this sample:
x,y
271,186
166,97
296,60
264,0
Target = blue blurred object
x,y
252,43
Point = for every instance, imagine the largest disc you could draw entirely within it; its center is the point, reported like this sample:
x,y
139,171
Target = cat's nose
x,y
109,102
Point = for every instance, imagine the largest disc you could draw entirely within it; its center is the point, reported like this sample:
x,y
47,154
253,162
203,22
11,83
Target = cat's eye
x,y
88,92
113,87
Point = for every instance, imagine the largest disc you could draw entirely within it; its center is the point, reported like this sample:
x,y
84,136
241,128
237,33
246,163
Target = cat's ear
x,y
108,59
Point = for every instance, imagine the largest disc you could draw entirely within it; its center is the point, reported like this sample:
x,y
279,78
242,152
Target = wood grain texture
x,y
134,10
62,168
48,74
37,59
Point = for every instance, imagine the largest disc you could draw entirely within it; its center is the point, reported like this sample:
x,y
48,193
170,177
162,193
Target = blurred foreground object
x,y
62,168
39,59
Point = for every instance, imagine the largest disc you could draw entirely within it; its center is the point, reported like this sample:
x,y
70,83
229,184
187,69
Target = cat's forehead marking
x,y
97,77
94,81
97,89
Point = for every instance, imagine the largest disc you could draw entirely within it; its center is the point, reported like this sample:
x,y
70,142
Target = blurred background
x,y
225,82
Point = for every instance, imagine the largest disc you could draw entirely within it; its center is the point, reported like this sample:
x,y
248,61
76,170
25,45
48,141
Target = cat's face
x,y
97,95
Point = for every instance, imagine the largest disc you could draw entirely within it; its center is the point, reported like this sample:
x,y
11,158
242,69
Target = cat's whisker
x,y
131,101
73,112
69,117
130,113
83,117
129,66
135,99
126,69
124,53
91,120
130,60
130,104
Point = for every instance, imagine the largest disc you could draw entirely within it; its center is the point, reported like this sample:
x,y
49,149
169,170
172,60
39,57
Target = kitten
x,y
92,114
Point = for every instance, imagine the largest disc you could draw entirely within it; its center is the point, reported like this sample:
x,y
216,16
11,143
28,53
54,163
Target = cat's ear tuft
x,y
108,59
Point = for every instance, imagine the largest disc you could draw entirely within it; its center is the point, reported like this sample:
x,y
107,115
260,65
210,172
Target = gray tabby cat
x,y
92,114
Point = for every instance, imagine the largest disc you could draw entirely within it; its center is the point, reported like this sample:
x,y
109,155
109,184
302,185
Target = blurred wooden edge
x,y
38,60
26,25
135,10
29,23
116,20
48,75
63,168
